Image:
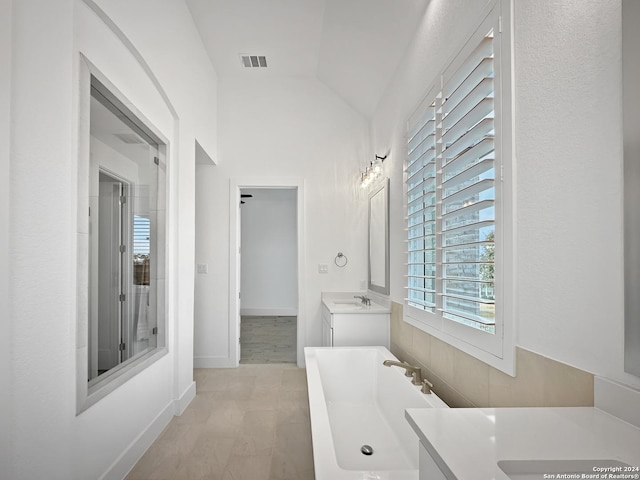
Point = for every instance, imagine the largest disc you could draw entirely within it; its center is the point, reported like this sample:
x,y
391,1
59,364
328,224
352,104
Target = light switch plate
x,y
323,268
203,268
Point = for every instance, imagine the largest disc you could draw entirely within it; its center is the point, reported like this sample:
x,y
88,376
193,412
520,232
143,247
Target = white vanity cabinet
x,y
346,322
327,331
523,442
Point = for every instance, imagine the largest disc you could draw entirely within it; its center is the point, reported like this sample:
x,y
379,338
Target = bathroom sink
x,y
347,302
539,469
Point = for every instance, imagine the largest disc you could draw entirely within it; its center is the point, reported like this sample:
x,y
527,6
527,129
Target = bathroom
x,y
314,129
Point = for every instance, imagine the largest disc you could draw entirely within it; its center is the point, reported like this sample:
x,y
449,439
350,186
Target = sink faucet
x,y
410,370
365,300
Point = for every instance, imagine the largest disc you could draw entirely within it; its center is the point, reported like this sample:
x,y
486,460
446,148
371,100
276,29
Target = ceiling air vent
x,y
254,61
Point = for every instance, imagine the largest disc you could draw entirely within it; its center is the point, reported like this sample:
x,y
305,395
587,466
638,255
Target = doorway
x,y
268,275
266,301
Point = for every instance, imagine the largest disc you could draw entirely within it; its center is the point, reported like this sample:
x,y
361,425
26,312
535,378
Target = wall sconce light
x,y
372,172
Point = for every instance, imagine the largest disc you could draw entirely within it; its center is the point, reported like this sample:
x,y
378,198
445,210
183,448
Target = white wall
x,y
5,323
631,121
441,33
49,440
276,127
269,277
41,183
569,150
167,39
569,178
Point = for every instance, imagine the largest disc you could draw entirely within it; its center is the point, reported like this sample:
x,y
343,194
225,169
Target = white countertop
x,y
471,441
344,302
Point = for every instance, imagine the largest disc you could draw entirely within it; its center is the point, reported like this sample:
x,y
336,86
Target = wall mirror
x,y
631,133
378,244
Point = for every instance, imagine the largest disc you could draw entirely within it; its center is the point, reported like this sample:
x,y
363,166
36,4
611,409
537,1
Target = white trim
x,y
235,184
87,394
496,350
180,404
7,396
130,456
269,312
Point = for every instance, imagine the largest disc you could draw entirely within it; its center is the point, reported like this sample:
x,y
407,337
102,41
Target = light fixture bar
x,y
373,171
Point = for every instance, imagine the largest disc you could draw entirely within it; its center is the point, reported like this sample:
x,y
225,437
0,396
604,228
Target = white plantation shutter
x,y
468,191
141,235
421,211
451,195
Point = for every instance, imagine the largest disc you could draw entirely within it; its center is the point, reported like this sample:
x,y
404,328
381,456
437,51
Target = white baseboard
x,y
619,400
213,362
181,404
269,312
127,460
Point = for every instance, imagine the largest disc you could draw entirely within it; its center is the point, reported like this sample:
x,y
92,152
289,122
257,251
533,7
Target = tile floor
x,y
247,423
268,339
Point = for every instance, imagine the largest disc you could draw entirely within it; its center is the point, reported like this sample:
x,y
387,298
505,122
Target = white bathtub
x,y
354,401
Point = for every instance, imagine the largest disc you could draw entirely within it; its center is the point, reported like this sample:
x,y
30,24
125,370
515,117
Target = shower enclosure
x,y
124,175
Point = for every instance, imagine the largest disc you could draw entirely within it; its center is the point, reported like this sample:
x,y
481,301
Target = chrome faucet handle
x,y
364,299
426,386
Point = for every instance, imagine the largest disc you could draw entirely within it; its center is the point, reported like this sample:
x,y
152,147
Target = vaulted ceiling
x,y
353,46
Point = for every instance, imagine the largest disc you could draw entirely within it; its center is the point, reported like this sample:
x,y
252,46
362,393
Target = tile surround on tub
x,y
464,381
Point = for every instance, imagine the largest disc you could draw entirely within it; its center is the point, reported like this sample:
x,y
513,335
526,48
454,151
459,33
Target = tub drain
x,y
366,450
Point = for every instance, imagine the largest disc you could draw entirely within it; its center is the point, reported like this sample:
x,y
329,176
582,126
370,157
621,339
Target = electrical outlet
x,y
363,285
323,268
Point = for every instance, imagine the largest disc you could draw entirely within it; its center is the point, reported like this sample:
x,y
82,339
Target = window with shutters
x,y
141,250
458,143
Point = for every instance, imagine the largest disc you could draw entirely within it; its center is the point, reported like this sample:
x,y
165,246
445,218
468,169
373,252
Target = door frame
x,y
235,186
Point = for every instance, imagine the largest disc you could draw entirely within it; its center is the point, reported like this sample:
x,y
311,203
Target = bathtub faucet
x,y
365,300
410,370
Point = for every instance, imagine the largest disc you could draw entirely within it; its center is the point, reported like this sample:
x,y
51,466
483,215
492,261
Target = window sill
x,y
92,392
503,360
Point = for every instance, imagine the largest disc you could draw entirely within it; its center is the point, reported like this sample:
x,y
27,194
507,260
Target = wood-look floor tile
x,y
268,340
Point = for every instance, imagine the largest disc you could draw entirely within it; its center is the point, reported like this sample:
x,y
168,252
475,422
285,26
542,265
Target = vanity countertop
x,y
344,302
468,443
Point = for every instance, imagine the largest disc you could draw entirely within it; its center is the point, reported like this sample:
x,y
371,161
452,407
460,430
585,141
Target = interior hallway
x,y
247,423
266,339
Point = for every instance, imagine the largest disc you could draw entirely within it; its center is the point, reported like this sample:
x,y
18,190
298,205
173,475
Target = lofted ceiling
x,y
352,46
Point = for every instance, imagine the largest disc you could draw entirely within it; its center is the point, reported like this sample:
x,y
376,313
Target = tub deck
x,y
354,400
